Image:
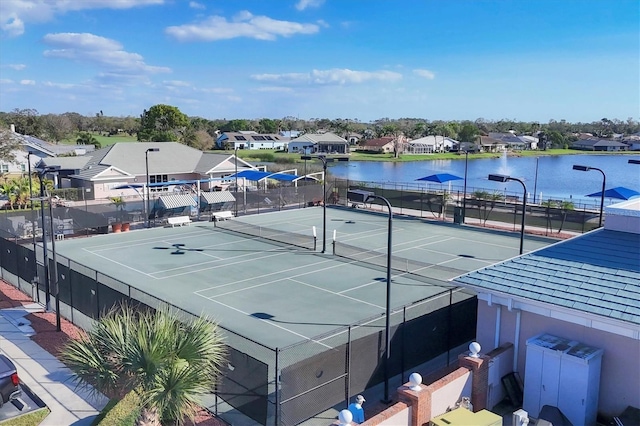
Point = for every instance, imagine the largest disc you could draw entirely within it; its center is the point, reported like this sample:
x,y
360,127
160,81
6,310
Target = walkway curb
x,y
43,374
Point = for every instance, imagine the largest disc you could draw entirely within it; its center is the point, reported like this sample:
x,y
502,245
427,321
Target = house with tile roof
x,y
599,145
38,149
382,145
120,169
430,144
251,140
319,143
585,289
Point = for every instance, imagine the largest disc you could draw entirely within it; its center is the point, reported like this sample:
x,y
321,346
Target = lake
x,y
556,178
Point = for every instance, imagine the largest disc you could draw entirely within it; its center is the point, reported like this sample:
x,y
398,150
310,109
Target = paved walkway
x,y
47,377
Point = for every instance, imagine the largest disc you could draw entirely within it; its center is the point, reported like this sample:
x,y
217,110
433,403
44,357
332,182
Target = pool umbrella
x,y
619,192
440,177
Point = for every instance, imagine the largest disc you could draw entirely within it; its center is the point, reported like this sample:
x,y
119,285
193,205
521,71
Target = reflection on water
x,y
555,175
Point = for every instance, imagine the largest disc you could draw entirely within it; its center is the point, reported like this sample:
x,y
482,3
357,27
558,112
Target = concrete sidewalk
x,y
47,377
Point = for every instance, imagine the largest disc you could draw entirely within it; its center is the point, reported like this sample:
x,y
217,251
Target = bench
x,y
178,221
221,215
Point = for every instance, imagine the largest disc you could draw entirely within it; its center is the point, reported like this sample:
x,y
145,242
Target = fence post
x,y
276,414
347,369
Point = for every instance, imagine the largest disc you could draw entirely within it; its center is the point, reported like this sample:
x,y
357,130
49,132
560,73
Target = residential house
x,y
632,141
121,169
319,143
354,138
430,145
38,149
586,289
489,144
382,145
599,145
515,142
251,140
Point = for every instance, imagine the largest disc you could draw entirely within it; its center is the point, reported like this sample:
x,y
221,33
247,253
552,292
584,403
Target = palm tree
x,y
167,363
486,203
86,138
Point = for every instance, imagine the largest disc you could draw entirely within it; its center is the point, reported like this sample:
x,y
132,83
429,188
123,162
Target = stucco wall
x,y
446,397
620,373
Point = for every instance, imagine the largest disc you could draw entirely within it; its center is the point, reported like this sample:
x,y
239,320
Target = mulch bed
x,y
44,325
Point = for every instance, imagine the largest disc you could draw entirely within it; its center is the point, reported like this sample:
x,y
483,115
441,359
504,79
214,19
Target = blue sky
x,y
535,60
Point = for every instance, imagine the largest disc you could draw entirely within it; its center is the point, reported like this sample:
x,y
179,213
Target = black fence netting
x,y
328,370
266,233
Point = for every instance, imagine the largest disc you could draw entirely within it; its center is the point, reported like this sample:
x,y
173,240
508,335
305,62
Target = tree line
x,y
167,123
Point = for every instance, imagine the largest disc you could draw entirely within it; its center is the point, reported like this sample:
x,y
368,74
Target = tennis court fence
x,y
270,386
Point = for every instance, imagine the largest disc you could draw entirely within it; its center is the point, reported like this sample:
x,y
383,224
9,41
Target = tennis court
x,y
277,294
295,316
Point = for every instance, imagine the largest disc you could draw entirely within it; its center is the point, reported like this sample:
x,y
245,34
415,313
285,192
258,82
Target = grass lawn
x,y
104,140
33,418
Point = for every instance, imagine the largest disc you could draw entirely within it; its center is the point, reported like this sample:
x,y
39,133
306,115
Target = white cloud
x,y
304,4
176,83
196,5
330,77
17,67
274,89
429,75
60,85
98,50
14,14
5,81
243,24
28,82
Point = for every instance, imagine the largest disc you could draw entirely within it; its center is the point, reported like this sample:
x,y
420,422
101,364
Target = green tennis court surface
x,y
279,294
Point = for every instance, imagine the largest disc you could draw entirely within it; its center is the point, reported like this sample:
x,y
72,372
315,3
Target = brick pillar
x,y
479,367
419,401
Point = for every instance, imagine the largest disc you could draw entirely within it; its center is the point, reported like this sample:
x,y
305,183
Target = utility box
x,y
457,215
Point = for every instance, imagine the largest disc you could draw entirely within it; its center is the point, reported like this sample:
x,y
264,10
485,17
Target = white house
x,y
319,143
251,140
430,144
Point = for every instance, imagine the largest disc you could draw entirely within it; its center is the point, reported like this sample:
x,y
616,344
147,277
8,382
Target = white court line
x,y
271,274
191,271
337,294
138,242
121,264
267,322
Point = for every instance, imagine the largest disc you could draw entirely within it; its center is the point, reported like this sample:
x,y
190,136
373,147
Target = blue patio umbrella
x,y
440,178
619,192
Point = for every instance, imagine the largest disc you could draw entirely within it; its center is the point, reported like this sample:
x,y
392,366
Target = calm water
x,y
555,176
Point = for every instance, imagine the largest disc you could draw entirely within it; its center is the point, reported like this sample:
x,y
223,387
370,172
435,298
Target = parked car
x,y
9,380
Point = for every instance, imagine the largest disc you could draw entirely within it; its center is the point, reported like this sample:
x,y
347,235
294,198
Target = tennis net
x,y
272,235
432,271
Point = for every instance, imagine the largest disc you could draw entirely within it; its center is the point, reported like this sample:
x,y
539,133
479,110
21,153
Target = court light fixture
x,y
632,161
505,178
324,160
387,327
604,184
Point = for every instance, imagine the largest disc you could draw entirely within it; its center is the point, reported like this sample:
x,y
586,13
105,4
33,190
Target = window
x,y
158,179
23,167
4,168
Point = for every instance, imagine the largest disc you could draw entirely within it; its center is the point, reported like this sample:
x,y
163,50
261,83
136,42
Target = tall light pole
x,y
535,181
236,189
604,184
47,287
146,161
324,160
54,275
503,178
464,192
33,215
386,368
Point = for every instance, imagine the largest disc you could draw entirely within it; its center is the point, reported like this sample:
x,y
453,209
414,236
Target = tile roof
x,y
597,273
